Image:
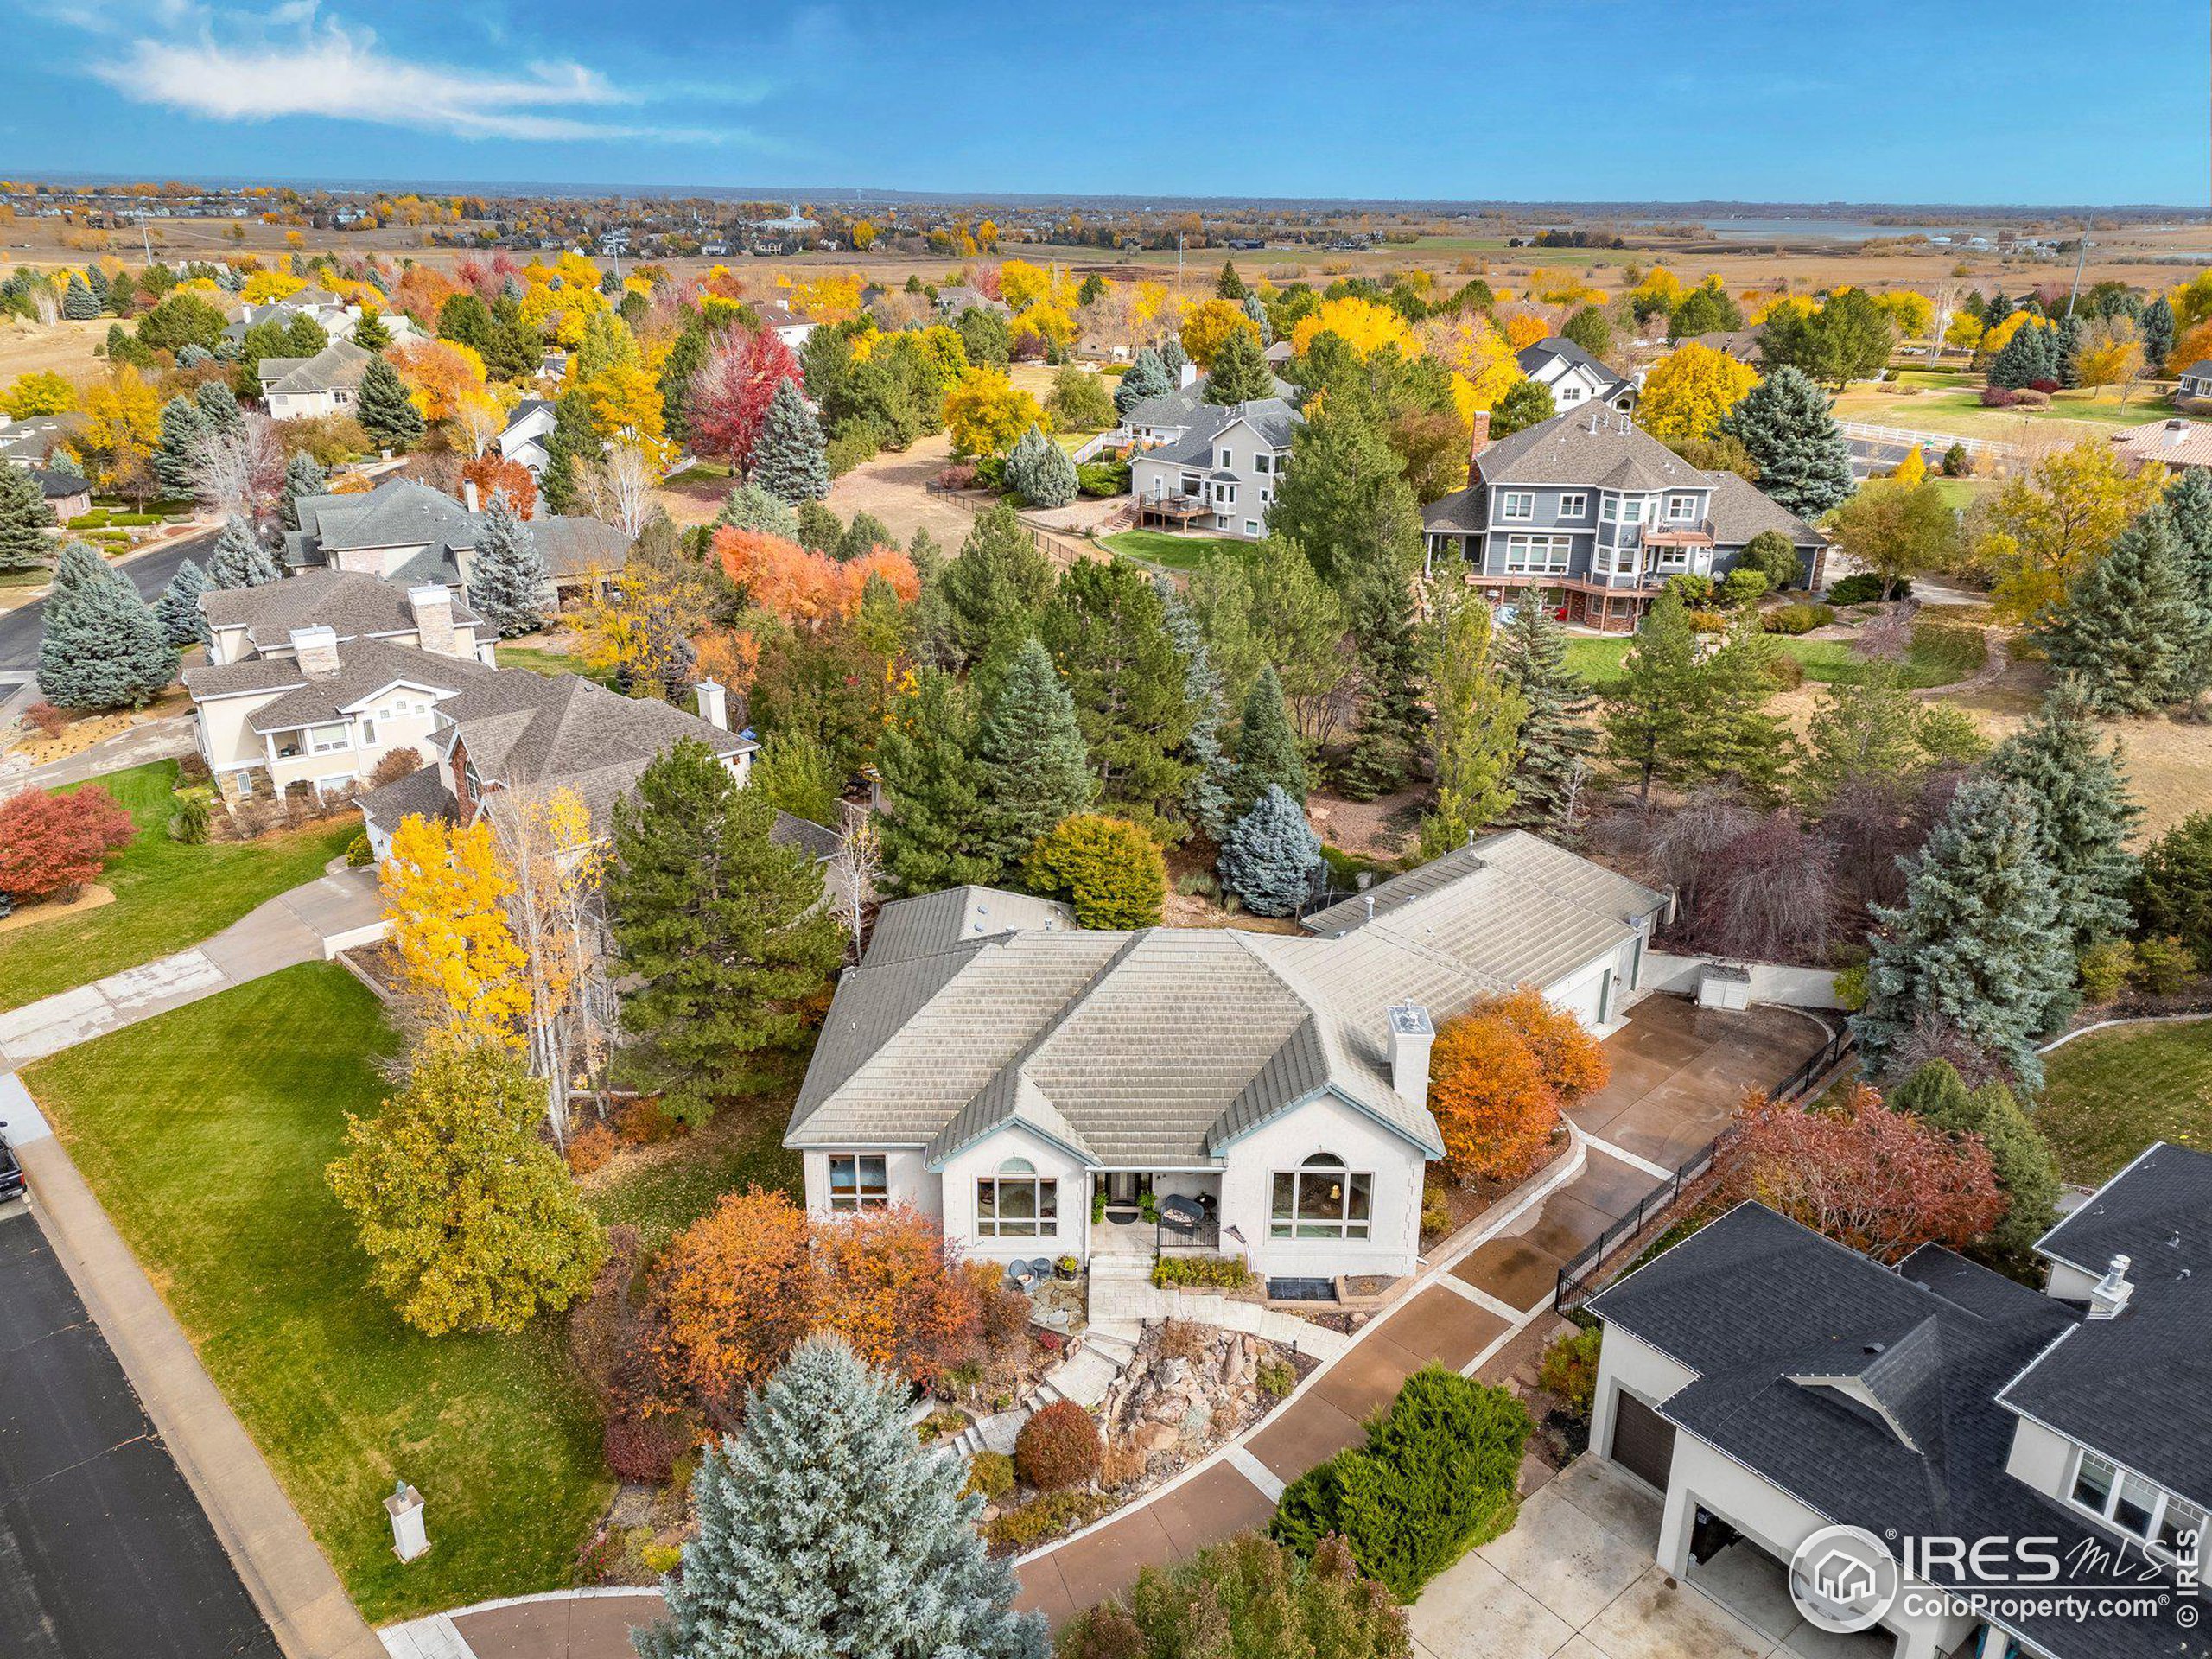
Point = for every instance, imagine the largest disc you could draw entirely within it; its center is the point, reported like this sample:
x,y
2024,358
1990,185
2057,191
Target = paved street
x,y
103,1551
149,572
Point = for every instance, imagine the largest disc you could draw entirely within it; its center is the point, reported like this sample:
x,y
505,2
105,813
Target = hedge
x,y
1218,1272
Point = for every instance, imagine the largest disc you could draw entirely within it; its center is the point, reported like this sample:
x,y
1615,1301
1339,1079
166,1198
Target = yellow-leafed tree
x,y
986,412
1207,327
445,894
1689,390
1365,327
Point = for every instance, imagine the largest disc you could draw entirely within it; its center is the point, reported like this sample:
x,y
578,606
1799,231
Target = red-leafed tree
x,y
1880,1181
52,845
729,395
493,474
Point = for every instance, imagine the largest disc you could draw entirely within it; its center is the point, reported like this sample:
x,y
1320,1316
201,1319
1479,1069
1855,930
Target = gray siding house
x,y
1595,514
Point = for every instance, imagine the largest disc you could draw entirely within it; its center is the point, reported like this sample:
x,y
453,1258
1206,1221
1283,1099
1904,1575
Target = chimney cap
x,y
430,593
1411,1020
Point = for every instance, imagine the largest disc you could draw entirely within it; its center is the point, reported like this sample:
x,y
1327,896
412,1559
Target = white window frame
x,y
1508,500
1261,461
1574,505
1570,392
1225,460
1611,511
1251,527
2118,1478
857,1195
1681,509
1290,1222
313,742
1631,510
1522,552
1017,1173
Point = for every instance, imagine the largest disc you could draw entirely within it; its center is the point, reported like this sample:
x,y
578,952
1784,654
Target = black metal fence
x,y
1574,1285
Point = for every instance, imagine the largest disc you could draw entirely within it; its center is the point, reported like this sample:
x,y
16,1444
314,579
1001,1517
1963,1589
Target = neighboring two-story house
x,y
1222,472
523,440
2195,382
315,680
1575,379
1008,1072
1594,514
1773,1384
302,388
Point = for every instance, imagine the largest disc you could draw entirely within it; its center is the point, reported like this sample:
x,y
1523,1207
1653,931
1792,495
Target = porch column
x,y
1674,1528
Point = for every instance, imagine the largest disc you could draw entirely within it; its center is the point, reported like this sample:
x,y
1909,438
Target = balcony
x,y
1677,533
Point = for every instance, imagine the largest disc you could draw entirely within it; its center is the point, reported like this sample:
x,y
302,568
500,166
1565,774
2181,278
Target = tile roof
x,y
575,544
351,603
931,922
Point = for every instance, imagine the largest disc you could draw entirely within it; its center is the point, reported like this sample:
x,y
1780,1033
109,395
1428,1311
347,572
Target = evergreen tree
x,y
78,302
1255,308
1039,472
2131,629
1174,359
934,817
1391,722
1267,752
96,279
685,359
1269,856
750,507
178,608
1107,632
2066,352
883,1561
1681,716
507,582
992,590
1785,422
1240,373
1526,404
1978,949
1557,739
2156,329
1476,726
1229,285
2084,815
862,537
218,407
24,519
1206,801
2189,505
573,441
790,460
1148,377
723,930
303,476
2025,359
184,428
819,528
1996,310
384,409
2026,1168
1345,500
239,559
1032,768
372,334
101,647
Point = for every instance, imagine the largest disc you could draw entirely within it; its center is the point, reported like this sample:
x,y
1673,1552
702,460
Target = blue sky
x,y
1541,99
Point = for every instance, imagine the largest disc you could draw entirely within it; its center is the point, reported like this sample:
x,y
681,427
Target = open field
x,y
65,349
1950,403
2113,1093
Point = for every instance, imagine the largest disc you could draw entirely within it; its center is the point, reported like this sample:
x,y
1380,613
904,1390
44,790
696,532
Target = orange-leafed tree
x,y
893,1290
1573,1061
736,1292
52,845
441,376
494,475
1488,1091
804,588
421,291
1880,1181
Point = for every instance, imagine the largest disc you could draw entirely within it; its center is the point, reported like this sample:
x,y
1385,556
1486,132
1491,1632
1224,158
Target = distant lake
x,y
1825,230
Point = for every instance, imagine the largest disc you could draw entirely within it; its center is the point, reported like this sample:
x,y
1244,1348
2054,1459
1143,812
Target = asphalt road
x,y
21,627
103,1551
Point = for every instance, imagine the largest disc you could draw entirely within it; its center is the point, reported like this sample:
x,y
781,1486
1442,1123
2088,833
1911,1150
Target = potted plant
x,y
1148,1206
1068,1267
1098,1206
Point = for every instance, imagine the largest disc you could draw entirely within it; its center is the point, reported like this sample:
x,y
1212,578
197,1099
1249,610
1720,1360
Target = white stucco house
x,y
1773,1384
302,388
1575,379
524,438
1029,1083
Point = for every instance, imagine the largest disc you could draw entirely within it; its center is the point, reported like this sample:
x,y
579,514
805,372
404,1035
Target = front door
x,y
1125,1187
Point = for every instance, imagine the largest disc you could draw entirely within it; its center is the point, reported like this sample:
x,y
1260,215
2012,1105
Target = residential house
x,y
1221,473
29,441
788,326
1575,379
67,494
1003,1069
524,436
334,316
302,388
514,730
1774,1385
1742,344
1594,514
313,680
2195,381
2172,443
956,297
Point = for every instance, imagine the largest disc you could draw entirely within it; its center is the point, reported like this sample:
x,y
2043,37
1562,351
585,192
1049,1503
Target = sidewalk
x,y
304,924
287,1576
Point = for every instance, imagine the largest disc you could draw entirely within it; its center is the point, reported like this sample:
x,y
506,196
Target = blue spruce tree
x,y
178,608
789,459
102,648
239,559
507,583
1269,856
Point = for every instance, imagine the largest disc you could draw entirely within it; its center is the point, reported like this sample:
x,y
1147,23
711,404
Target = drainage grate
x,y
1302,1290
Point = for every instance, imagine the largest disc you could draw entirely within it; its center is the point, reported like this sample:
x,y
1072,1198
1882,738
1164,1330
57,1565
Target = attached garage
x,y
1643,1441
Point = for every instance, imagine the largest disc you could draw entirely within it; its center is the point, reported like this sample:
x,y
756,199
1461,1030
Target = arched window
x,y
1321,1199
1017,1203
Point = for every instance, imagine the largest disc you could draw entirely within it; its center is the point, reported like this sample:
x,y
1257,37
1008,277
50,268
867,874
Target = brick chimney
x,y
315,650
432,605
1480,439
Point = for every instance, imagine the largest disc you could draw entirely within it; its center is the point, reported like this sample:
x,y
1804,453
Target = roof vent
x,y
1872,1348
2109,1298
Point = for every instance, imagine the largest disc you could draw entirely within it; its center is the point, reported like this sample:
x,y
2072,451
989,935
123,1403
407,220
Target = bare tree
x,y
854,872
617,489
480,421
238,471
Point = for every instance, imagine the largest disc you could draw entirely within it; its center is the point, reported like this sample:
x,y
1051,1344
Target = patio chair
x,y
1042,1268
1018,1275
1182,1211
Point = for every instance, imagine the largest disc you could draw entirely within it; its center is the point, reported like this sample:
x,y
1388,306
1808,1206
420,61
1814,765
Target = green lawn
x,y
1165,548
1953,404
205,1132
2109,1095
1827,662
167,895
548,663
665,1190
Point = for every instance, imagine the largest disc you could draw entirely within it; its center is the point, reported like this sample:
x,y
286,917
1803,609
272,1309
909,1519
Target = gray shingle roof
x,y
365,667
351,602
575,545
931,922
1741,510
1557,346
1273,418
1187,404
421,793
398,513
1565,450
1459,513
340,364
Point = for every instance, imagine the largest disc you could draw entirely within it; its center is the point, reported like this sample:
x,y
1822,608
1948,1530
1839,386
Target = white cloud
x,y
295,65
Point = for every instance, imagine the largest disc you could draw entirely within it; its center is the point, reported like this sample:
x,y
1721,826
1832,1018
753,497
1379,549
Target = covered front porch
x,y
1142,1212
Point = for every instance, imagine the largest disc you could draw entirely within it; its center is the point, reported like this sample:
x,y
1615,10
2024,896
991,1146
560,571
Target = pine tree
x,y
1107,632
574,440
2156,329
992,589
78,302
218,407
1205,803
1475,731
384,407
24,519
789,459
1269,856
1391,720
686,356
507,582
1174,359
1785,422
178,608
1229,285
1268,754
184,428
2025,359
303,476
2189,504
1038,471
370,334
1148,377
239,559
2131,629
2066,351
750,507
1654,700
2084,815
2026,1168
884,1560
1557,738
1240,373
96,279
934,817
1032,768
1978,949
101,646
723,930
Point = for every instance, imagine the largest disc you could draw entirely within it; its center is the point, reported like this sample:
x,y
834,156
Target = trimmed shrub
x,y
990,1473
1796,619
590,1147
1998,397
1215,1272
2163,966
359,853
1057,1448
1276,1378
1109,868
2105,969
1865,589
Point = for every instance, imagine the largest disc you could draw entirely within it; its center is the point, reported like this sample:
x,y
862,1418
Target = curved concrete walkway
x,y
1679,1072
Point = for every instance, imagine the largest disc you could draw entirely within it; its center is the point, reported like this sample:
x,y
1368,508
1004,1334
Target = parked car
x,y
11,1172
